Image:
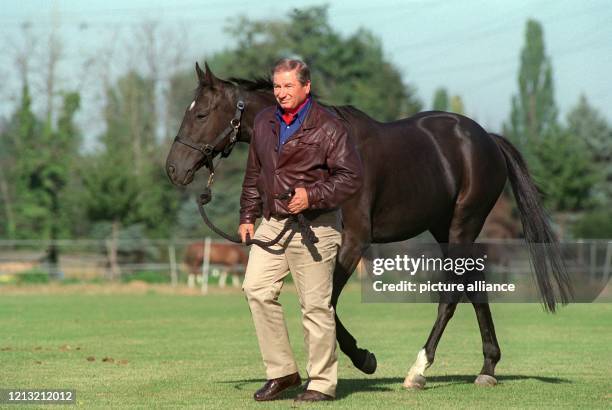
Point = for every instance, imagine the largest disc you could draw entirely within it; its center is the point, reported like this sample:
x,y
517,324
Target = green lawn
x,y
171,350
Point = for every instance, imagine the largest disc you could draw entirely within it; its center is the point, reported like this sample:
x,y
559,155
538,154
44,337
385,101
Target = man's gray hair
x,y
290,64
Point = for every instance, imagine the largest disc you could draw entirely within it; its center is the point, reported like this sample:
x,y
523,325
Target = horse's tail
x,y
544,249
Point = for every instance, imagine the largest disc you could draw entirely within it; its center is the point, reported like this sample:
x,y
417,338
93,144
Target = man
x,y
296,145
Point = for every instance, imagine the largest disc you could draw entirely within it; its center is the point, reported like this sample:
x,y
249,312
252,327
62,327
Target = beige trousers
x,y
312,274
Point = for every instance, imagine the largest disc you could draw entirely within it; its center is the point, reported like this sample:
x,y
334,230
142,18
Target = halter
x,y
208,150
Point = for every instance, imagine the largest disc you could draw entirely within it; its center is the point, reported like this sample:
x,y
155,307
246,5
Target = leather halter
x,y
232,130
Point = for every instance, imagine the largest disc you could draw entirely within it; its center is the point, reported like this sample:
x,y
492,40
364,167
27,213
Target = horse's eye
x,y
201,116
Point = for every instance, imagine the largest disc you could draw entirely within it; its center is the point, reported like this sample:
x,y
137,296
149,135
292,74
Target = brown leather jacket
x,y
319,157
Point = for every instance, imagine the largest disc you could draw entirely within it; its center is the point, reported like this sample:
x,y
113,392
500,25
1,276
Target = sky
x,y
471,47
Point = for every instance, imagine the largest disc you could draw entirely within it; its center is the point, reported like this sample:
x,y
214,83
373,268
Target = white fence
x,y
89,259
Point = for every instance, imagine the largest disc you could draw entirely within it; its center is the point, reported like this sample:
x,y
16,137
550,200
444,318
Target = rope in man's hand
x,y
296,221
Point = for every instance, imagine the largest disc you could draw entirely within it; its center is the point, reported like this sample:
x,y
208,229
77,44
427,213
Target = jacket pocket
x,y
305,144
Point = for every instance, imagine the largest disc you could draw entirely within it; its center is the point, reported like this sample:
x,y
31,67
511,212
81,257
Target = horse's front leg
x,y
355,240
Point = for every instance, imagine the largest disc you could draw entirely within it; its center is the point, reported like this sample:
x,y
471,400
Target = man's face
x,y
289,92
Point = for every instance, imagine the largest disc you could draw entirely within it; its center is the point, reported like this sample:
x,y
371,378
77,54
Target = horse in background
x,y
230,258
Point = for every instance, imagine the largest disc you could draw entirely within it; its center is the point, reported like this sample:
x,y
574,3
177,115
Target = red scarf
x,y
289,115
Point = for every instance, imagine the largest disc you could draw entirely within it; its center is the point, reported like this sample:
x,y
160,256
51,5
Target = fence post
x,y
172,257
592,259
205,265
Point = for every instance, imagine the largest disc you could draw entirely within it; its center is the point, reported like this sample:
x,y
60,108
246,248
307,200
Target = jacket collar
x,y
311,121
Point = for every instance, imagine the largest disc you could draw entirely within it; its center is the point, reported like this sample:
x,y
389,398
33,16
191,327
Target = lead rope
x,y
294,221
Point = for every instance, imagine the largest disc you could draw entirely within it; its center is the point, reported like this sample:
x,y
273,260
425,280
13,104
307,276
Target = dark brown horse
x,y
435,171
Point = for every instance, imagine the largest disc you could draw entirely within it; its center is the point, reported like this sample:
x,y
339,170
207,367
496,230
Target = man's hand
x,y
244,228
299,202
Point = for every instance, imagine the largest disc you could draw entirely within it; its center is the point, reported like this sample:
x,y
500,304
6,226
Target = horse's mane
x,y
347,111
258,84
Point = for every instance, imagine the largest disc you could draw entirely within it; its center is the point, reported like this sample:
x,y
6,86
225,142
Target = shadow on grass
x,y
453,379
346,387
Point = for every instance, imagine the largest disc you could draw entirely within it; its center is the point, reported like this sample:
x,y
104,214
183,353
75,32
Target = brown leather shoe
x,y
312,395
274,387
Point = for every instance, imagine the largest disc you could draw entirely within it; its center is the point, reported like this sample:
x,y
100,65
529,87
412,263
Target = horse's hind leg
x,y
446,309
469,229
425,358
465,227
490,347
466,232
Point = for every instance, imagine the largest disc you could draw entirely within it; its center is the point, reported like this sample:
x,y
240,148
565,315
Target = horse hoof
x,y
485,380
369,365
416,382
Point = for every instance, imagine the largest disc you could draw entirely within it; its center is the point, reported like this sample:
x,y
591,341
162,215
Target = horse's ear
x,y
200,73
209,77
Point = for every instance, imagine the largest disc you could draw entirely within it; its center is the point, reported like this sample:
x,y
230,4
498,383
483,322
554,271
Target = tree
x,y
28,202
62,148
124,182
114,177
440,100
559,161
111,187
37,166
534,113
345,70
587,124
594,225
7,218
130,118
131,128
565,172
37,155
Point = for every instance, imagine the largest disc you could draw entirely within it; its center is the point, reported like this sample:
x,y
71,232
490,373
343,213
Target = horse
x,y
434,171
231,258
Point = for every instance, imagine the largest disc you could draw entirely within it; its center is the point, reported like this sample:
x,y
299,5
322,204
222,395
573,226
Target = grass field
x,y
177,350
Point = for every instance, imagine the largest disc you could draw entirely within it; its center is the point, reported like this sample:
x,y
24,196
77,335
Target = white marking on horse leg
x,y
192,105
416,375
222,279
235,281
191,280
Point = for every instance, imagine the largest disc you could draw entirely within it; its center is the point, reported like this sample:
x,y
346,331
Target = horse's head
x,y
205,129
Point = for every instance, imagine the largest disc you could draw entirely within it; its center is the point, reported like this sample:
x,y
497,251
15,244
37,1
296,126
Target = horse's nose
x,y
171,171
